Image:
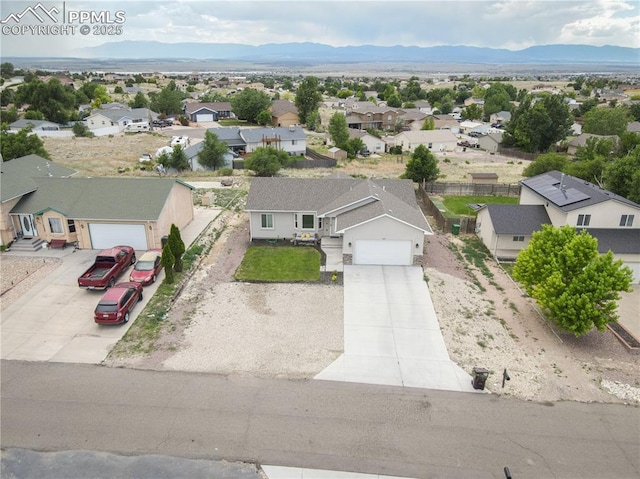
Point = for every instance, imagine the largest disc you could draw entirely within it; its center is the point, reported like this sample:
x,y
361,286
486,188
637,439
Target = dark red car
x,y
147,268
117,303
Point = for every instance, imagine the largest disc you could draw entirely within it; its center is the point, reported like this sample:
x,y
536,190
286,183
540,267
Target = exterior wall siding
x,y
7,232
384,228
283,226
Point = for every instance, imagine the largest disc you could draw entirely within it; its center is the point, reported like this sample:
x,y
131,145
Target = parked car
x,y
108,265
183,141
117,302
147,268
145,158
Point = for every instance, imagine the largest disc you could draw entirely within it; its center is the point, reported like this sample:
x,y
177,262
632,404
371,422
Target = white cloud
x,y
512,24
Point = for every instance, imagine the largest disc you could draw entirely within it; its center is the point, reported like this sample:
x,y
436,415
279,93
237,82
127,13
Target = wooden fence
x,y
466,224
516,153
472,189
312,160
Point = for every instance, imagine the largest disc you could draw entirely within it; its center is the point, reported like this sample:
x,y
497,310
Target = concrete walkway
x,y
391,332
279,472
332,248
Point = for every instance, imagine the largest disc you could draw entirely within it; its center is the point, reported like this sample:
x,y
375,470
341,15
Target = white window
x,y
626,220
308,222
584,220
518,238
55,225
267,221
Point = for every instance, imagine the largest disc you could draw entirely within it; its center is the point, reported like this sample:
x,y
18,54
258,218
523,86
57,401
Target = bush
x,y
225,172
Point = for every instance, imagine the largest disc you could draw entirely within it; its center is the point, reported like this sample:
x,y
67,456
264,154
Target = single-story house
x,y
581,141
95,213
378,221
35,125
207,112
284,113
119,117
373,143
435,140
193,151
490,142
500,117
468,126
231,136
558,199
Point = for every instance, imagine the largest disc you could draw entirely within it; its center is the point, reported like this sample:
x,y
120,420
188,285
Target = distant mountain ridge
x,y
316,52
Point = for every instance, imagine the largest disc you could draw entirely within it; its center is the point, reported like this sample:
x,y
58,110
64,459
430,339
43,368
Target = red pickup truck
x,y
109,264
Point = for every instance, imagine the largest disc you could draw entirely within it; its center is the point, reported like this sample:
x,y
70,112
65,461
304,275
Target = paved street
x,y
313,424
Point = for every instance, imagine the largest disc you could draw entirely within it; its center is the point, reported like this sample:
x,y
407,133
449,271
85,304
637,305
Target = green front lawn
x,y
458,204
279,264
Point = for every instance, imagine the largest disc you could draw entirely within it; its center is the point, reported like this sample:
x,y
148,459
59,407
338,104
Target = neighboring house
x,y
35,125
581,141
231,136
119,118
490,142
435,140
474,101
193,151
468,126
373,143
291,139
566,201
424,106
113,106
366,115
207,112
378,221
633,127
284,113
95,213
445,122
500,117
576,128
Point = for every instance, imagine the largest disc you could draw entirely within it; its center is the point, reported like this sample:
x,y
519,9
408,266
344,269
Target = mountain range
x,y
305,53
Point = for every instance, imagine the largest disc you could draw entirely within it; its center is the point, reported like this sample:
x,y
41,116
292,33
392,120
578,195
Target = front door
x,y
27,226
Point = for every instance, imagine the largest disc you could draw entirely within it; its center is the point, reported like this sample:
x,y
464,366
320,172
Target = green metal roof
x,y
125,199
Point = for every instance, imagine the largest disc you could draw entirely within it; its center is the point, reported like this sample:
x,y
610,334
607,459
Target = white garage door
x,y
382,252
204,117
104,235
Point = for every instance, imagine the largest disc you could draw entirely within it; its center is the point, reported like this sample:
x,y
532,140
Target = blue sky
x,y
510,24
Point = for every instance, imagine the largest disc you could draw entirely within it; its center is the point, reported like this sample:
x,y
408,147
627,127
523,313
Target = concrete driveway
x,y
391,332
54,320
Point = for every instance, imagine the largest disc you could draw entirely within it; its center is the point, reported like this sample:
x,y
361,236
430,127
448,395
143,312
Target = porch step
x,y
31,244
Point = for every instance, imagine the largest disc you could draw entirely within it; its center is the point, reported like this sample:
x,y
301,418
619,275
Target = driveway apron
x,y
391,332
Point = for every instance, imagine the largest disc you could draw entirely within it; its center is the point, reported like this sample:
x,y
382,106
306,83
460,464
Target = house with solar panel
x,y
558,199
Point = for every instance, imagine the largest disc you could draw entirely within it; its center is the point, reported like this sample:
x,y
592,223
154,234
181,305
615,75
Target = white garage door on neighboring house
x,y
204,117
105,235
384,252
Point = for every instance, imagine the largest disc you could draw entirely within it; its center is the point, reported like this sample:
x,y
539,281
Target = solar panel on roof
x,y
566,197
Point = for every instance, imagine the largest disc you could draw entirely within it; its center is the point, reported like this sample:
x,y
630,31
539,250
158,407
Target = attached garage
x,y
383,252
204,117
108,235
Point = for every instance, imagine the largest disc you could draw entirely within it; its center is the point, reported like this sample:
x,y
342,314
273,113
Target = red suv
x,y
117,302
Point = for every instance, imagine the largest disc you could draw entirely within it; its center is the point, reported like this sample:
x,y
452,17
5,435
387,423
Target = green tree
x,y
118,90
176,245
266,161
248,104
53,99
264,118
545,163
429,124
81,129
6,96
605,121
178,159
308,97
355,146
139,101
313,120
423,166
167,259
168,101
338,130
622,176
213,151
23,143
577,287
473,112
8,116
535,127
6,69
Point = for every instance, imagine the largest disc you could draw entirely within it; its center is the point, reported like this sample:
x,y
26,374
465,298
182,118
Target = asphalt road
x,y
313,424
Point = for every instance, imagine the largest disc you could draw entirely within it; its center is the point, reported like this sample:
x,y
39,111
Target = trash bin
x,y
455,229
164,240
479,378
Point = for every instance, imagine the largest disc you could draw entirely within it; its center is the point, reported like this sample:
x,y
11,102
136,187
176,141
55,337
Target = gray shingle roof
x,y
518,220
395,198
216,106
618,240
17,175
569,193
230,135
99,198
255,135
132,113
